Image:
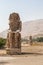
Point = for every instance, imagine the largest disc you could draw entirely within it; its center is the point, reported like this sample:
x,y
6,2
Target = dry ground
x,y
31,55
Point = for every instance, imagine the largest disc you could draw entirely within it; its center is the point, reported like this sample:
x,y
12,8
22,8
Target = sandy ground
x,y
31,55
27,60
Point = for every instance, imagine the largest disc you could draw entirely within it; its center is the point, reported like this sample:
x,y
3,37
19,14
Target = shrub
x,y
38,39
2,42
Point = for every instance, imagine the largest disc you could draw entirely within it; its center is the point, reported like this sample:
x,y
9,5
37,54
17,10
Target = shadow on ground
x,y
26,53
3,63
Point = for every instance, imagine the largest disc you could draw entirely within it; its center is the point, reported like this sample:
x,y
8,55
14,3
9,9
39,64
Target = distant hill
x,y
33,28
4,34
38,35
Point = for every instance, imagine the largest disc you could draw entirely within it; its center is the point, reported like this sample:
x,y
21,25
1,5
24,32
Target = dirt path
x,y
31,55
26,60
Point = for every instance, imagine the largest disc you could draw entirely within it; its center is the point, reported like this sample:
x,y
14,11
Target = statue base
x,y
13,51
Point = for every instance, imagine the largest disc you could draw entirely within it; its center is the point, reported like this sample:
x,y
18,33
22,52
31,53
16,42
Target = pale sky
x,y
27,9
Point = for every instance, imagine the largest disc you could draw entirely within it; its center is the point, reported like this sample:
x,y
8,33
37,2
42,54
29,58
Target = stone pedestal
x,y
13,51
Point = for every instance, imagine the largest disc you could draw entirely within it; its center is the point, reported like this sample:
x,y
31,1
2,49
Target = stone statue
x,y
30,39
14,36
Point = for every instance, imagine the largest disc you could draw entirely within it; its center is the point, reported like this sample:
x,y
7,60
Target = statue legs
x,y
14,41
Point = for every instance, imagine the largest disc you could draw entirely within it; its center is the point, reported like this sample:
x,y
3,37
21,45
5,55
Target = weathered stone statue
x,y
14,36
30,39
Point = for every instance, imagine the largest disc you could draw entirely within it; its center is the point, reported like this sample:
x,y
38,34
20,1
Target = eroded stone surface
x,y
14,36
